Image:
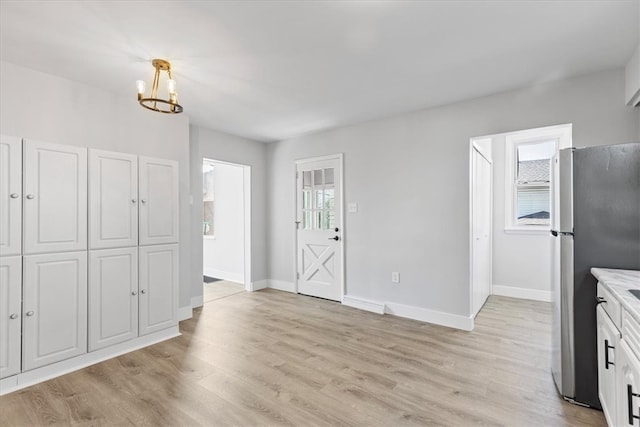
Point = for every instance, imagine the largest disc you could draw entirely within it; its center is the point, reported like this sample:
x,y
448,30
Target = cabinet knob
x,y
30,196
133,200
144,291
14,195
13,316
134,293
30,313
143,200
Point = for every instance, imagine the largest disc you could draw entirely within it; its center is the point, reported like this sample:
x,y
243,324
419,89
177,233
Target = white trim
x,y
363,304
430,316
531,229
224,275
282,285
35,376
185,313
340,158
522,293
260,284
197,301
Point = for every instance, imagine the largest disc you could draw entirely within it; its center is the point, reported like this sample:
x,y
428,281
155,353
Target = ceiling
x,y
271,70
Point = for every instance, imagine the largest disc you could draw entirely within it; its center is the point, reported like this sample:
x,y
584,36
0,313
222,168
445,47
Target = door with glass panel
x,y
319,228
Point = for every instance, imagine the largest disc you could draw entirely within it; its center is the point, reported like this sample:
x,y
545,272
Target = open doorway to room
x,y
226,229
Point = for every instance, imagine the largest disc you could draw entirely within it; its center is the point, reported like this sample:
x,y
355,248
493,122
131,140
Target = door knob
x,y
336,238
30,313
14,195
30,196
134,293
13,316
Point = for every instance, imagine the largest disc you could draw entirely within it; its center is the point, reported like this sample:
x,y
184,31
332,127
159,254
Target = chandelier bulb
x,y
171,86
140,84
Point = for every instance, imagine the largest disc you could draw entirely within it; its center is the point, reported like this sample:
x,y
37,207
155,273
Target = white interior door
x,y
113,199
10,195
113,296
10,314
481,230
158,192
55,308
55,201
319,228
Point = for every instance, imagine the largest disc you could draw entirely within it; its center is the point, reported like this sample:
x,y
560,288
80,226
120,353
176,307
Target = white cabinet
x,y
628,371
54,308
158,287
113,199
10,195
113,296
10,314
55,198
608,346
158,192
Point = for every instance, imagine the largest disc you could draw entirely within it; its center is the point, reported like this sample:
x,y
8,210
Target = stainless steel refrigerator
x,y
595,222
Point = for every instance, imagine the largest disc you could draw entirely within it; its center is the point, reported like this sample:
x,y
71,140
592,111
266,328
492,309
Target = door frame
x,y
246,190
474,145
340,213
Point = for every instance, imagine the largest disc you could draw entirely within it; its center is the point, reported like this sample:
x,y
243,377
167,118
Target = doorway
x,y
481,223
226,228
319,227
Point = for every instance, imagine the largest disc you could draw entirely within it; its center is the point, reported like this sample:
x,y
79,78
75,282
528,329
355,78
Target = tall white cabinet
x,y
88,255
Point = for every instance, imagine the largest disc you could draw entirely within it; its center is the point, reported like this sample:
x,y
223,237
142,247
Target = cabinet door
x,y
10,195
158,191
608,343
55,308
113,200
55,201
158,287
10,314
628,387
113,296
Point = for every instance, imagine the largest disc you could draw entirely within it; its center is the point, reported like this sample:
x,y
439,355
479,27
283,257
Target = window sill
x,y
527,230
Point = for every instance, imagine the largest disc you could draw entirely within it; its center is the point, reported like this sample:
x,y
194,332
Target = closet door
x,y
55,201
10,195
158,287
158,190
113,200
113,296
10,314
55,308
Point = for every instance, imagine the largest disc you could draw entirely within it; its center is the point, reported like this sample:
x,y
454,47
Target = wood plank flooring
x,y
275,358
220,289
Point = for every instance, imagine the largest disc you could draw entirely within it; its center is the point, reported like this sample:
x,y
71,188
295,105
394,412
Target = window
x,y
529,172
207,197
318,202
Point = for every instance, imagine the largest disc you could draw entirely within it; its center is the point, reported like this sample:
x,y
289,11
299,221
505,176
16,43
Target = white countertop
x,y
619,282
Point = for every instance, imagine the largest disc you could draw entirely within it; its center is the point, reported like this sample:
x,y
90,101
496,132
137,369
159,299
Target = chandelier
x,y
153,103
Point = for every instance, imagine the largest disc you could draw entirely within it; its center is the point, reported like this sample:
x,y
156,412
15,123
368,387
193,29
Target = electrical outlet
x,y
395,277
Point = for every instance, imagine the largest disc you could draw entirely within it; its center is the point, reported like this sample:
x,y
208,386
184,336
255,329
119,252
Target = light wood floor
x,y
220,289
275,358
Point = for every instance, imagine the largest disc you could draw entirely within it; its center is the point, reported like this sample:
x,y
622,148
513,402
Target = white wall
x,y
49,108
223,147
410,176
223,253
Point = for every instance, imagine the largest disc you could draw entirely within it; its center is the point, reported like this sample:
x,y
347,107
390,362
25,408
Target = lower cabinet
x,y
54,308
608,346
10,314
628,370
113,296
158,287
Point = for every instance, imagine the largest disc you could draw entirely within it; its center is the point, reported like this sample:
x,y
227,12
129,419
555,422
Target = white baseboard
x,y
363,304
224,275
184,313
523,293
430,316
197,301
38,375
260,284
281,285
